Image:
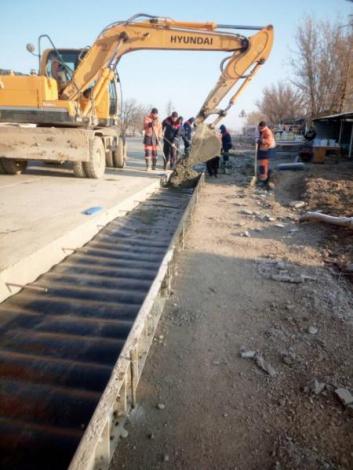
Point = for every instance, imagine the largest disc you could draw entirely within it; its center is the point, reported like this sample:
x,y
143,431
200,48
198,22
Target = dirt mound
x,y
330,190
330,195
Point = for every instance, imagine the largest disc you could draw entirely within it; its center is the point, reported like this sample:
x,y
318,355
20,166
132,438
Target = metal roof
x,y
335,116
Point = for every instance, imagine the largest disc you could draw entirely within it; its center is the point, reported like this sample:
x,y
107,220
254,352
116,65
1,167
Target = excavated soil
x,y
257,335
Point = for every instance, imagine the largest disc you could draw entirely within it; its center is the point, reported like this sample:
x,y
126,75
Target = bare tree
x,y
280,102
132,116
321,65
254,117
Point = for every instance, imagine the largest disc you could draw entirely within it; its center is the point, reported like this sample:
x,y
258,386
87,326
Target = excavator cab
x,y
60,65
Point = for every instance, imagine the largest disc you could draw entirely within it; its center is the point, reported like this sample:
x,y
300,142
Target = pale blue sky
x,y
156,77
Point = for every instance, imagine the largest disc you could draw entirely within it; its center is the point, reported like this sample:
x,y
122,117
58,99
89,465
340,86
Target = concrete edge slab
x,y
29,268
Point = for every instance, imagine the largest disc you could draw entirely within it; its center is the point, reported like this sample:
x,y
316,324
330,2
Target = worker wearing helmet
x,y
152,134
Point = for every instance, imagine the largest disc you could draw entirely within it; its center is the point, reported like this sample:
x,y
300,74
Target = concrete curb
x,y
28,269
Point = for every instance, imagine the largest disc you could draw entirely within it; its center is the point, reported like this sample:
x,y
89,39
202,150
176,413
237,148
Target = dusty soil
x,y
252,280
332,192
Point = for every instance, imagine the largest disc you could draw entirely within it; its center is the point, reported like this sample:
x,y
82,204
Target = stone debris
x,y
280,225
345,396
247,354
265,366
259,361
297,204
289,357
292,455
124,433
315,387
313,330
247,212
268,218
161,406
283,272
245,234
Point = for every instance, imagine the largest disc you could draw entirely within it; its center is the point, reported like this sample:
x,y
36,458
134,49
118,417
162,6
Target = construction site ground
x,y
47,201
251,281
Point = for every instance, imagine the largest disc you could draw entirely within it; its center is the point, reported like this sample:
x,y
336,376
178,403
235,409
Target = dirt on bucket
x,y
206,144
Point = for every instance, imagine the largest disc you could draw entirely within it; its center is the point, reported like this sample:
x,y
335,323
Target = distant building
x,y
250,131
337,128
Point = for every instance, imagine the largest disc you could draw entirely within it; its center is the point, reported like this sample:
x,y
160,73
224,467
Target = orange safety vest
x,y
156,126
267,139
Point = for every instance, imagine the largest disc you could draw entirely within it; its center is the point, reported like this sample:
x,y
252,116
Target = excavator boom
x,y
76,108
148,32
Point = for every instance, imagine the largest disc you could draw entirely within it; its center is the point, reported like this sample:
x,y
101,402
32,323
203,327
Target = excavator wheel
x,y
2,169
95,167
119,154
13,167
109,162
125,153
79,171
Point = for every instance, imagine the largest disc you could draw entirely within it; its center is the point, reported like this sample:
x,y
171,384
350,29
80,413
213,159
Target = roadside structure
x,y
338,128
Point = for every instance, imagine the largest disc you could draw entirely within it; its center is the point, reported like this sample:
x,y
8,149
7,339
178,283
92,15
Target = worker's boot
x,y
154,163
148,164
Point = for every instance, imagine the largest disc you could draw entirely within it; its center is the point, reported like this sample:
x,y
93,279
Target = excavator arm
x,y
247,54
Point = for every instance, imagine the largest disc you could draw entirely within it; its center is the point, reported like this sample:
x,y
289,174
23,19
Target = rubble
x,y
297,204
247,212
315,387
289,357
282,272
259,361
313,330
345,396
245,234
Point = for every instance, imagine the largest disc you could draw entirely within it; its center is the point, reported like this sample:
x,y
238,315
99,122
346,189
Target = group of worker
x,y
172,130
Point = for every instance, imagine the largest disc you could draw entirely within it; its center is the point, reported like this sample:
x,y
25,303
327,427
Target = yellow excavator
x,y
70,110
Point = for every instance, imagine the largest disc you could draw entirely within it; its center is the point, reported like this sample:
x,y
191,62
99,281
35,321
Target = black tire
x,y
13,167
2,169
79,171
109,162
95,167
119,154
125,153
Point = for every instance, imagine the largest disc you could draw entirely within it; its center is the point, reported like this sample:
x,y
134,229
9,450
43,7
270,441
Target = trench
x,y
61,336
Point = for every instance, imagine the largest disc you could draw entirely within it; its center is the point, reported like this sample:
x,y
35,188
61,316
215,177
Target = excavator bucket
x,y
206,144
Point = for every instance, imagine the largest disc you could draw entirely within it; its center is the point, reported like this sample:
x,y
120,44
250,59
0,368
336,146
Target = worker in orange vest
x,y
152,134
266,151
